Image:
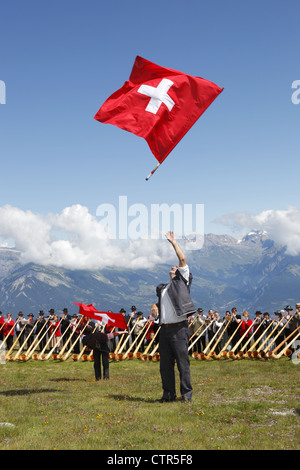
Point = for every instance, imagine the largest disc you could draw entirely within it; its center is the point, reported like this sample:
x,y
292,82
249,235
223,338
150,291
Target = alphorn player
x,y
175,305
97,342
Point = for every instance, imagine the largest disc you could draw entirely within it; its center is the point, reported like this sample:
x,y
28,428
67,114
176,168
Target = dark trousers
x,y
173,346
98,353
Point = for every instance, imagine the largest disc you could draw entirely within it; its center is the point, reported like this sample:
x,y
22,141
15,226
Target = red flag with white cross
x,y
158,104
113,319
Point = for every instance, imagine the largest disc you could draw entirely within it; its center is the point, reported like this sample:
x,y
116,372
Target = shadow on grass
x,y
20,392
130,398
139,399
67,379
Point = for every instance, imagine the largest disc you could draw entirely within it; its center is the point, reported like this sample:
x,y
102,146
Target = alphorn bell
x,y
240,354
195,354
136,353
154,356
35,355
41,356
223,352
128,352
54,355
212,351
260,353
24,357
65,357
203,354
286,350
118,348
230,353
36,342
272,354
144,356
60,354
80,355
254,353
267,349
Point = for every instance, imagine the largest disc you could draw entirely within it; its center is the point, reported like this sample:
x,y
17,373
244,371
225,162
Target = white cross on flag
x,y
158,104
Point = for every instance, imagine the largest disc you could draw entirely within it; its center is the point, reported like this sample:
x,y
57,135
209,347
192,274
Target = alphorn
x,y
240,354
260,353
195,354
275,338
41,356
65,357
128,353
195,332
118,347
80,355
154,356
223,352
60,354
18,355
36,342
230,353
54,355
284,351
136,353
39,340
253,352
212,351
7,355
8,334
248,353
271,354
202,355
144,356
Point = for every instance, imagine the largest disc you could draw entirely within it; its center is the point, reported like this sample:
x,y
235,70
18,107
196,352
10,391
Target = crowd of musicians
x,y
208,330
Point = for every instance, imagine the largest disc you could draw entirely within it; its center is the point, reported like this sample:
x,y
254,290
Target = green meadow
x,y
243,404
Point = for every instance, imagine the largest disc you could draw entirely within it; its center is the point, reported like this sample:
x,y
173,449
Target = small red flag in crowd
x,y
158,104
112,319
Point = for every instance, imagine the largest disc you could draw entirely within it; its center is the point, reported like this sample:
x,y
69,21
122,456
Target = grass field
x,y
245,404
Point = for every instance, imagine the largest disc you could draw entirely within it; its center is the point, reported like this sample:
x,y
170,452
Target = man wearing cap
x,y
175,305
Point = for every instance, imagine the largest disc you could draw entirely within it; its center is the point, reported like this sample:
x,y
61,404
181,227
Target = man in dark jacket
x,y
175,305
98,343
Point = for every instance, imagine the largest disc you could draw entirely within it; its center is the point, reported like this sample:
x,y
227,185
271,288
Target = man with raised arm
x,y
175,305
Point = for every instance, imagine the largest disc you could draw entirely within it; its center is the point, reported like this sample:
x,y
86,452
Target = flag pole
x,y
153,171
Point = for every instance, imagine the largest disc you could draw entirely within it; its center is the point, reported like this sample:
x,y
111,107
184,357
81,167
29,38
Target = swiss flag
x,y
158,104
113,319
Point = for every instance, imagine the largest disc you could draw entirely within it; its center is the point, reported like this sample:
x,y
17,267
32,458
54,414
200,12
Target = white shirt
x,y
167,312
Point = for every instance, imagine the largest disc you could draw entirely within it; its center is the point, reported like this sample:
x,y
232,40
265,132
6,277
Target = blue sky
x,y
61,59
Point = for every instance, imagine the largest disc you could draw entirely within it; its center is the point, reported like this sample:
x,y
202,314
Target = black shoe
x,y
165,400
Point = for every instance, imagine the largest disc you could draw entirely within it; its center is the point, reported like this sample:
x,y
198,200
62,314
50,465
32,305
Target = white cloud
x,y
76,239
283,226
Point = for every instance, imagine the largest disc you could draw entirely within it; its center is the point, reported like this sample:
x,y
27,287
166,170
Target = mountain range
x,y
253,273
